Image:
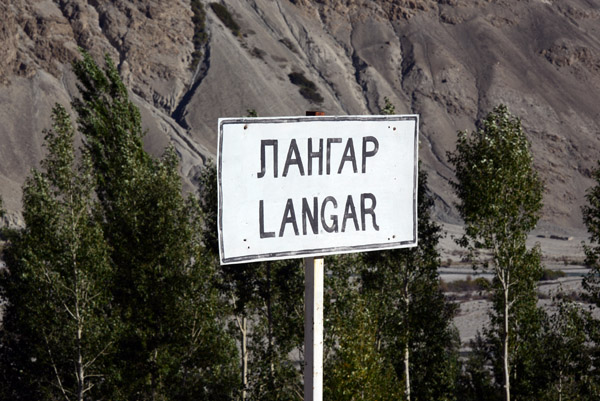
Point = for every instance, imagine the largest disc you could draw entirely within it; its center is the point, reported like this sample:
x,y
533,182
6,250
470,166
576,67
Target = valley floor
x,y
560,252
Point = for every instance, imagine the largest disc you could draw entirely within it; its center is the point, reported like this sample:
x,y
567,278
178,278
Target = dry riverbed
x,y
563,251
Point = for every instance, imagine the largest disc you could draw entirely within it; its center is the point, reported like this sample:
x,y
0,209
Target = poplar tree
x,y
418,318
110,293
57,333
591,219
266,303
171,343
500,198
569,369
396,294
415,320
591,282
355,368
277,331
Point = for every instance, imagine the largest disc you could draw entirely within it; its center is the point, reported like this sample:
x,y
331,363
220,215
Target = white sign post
x,y
313,329
311,186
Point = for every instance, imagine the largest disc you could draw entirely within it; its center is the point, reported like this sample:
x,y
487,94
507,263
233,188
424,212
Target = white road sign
x,y
307,186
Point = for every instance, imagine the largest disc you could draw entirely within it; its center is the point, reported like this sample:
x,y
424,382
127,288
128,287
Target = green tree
x,y
591,282
475,382
415,327
591,219
418,319
500,198
171,344
277,330
57,332
357,370
527,373
569,369
396,294
266,302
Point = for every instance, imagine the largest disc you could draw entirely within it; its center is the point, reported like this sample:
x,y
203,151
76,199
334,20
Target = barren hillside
x,y
450,61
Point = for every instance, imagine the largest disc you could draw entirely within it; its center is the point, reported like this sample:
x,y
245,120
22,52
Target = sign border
x,y
314,251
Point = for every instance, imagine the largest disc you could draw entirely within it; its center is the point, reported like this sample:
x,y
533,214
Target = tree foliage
x,y
308,89
57,333
200,32
171,340
415,315
591,219
500,193
225,16
278,330
569,370
591,282
357,370
114,290
475,382
500,198
385,311
166,322
389,307
266,303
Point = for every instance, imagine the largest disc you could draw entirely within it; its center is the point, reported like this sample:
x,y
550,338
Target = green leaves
x,y
110,122
500,193
58,281
380,304
591,282
268,296
358,370
110,293
163,292
388,326
388,107
591,219
500,198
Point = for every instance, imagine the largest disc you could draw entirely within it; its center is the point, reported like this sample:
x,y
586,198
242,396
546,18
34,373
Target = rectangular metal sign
x,y
293,187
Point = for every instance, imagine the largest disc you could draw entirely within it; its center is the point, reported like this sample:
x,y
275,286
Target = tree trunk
x,y
80,371
270,325
560,386
244,357
506,337
78,318
407,371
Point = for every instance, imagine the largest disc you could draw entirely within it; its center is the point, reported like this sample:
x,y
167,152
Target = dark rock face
x,y
450,61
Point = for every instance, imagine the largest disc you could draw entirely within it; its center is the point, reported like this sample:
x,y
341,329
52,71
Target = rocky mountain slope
x,y
450,61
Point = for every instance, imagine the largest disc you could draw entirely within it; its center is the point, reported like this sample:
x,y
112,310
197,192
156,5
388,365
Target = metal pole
x,y
313,329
